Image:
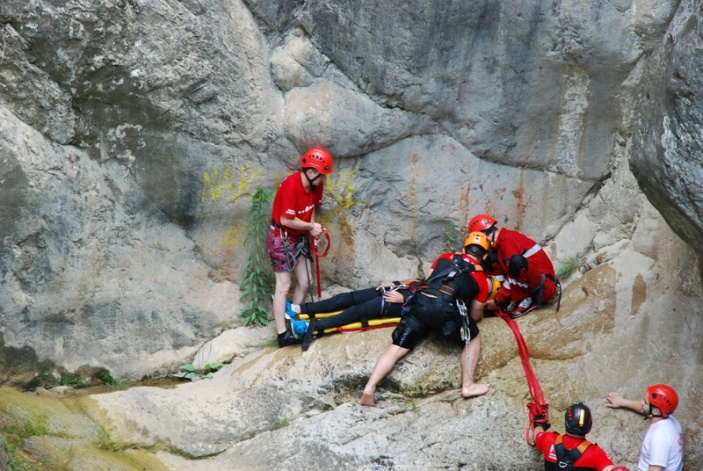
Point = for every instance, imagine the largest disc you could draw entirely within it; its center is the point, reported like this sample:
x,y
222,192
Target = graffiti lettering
x,y
217,184
214,185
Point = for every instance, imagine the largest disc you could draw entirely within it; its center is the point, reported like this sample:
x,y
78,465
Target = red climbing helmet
x,y
481,223
664,397
577,419
317,158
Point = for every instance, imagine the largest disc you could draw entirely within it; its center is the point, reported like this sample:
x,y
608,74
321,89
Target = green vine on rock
x,y
257,282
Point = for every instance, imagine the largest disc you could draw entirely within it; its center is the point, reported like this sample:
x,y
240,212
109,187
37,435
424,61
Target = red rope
x,y
538,407
314,245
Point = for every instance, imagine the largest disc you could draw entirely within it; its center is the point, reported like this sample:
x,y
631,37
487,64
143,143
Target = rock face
x,y
135,131
667,151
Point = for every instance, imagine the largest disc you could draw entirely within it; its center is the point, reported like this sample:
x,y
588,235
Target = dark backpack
x,y
443,286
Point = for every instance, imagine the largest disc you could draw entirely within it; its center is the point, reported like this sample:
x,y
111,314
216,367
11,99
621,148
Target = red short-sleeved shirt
x,y
479,276
594,457
292,201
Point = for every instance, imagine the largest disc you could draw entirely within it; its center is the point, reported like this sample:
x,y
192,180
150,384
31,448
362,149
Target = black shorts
x,y
417,325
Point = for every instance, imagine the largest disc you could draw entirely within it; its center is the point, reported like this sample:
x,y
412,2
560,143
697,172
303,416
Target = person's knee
x,y
397,352
283,284
303,284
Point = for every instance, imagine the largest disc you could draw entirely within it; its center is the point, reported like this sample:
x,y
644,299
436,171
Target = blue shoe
x,y
290,313
299,328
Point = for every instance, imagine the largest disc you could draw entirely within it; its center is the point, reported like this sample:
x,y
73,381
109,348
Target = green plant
x,y
14,432
257,282
104,441
280,423
107,378
44,380
70,380
192,373
568,266
449,237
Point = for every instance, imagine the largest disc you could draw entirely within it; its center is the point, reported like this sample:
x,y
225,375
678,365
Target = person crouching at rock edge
x,y
287,241
449,301
530,280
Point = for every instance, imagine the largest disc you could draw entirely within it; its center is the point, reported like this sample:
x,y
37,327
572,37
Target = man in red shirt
x,y
450,301
292,220
530,280
572,451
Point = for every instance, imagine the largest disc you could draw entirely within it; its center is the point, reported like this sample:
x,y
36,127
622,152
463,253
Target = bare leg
x,y
303,274
283,281
469,362
384,365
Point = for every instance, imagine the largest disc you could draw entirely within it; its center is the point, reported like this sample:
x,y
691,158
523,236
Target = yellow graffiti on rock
x,y
218,183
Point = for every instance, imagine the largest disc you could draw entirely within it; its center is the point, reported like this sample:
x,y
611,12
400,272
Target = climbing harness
x,y
538,407
300,248
566,457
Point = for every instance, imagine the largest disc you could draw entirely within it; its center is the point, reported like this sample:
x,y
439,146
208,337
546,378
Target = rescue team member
x,y
662,447
287,241
571,451
455,281
381,302
530,279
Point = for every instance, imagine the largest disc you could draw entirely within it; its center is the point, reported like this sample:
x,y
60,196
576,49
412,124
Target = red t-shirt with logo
x,y
292,201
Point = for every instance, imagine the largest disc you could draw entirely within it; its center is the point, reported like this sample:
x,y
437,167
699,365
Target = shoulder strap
x,y
567,457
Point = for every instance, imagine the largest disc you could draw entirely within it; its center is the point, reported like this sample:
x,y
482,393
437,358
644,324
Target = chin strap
x,y
311,180
649,415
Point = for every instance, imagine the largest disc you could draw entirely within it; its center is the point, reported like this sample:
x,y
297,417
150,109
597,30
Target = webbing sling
x,y
538,406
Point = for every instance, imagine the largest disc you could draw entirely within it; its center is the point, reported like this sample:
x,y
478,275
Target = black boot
x,y
287,338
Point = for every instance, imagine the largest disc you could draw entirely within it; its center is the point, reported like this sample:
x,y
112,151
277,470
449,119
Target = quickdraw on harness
x,y
566,457
537,408
465,331
314,243
301,246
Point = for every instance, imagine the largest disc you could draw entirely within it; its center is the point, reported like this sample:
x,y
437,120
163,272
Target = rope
x,y
538,406
313,248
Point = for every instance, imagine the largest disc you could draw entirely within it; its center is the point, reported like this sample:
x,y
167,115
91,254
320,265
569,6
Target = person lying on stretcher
x,y
384,301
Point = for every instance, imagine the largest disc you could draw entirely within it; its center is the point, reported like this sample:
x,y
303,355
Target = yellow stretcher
x,y
354,326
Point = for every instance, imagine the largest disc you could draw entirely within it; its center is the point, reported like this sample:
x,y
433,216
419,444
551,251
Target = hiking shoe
x,y
290,313
287,338
525,306
298,327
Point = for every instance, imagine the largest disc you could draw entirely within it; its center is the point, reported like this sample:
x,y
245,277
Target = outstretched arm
x,y
616,401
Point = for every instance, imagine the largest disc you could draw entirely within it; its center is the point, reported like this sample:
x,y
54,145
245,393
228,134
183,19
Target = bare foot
x,y
475,390
367,399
